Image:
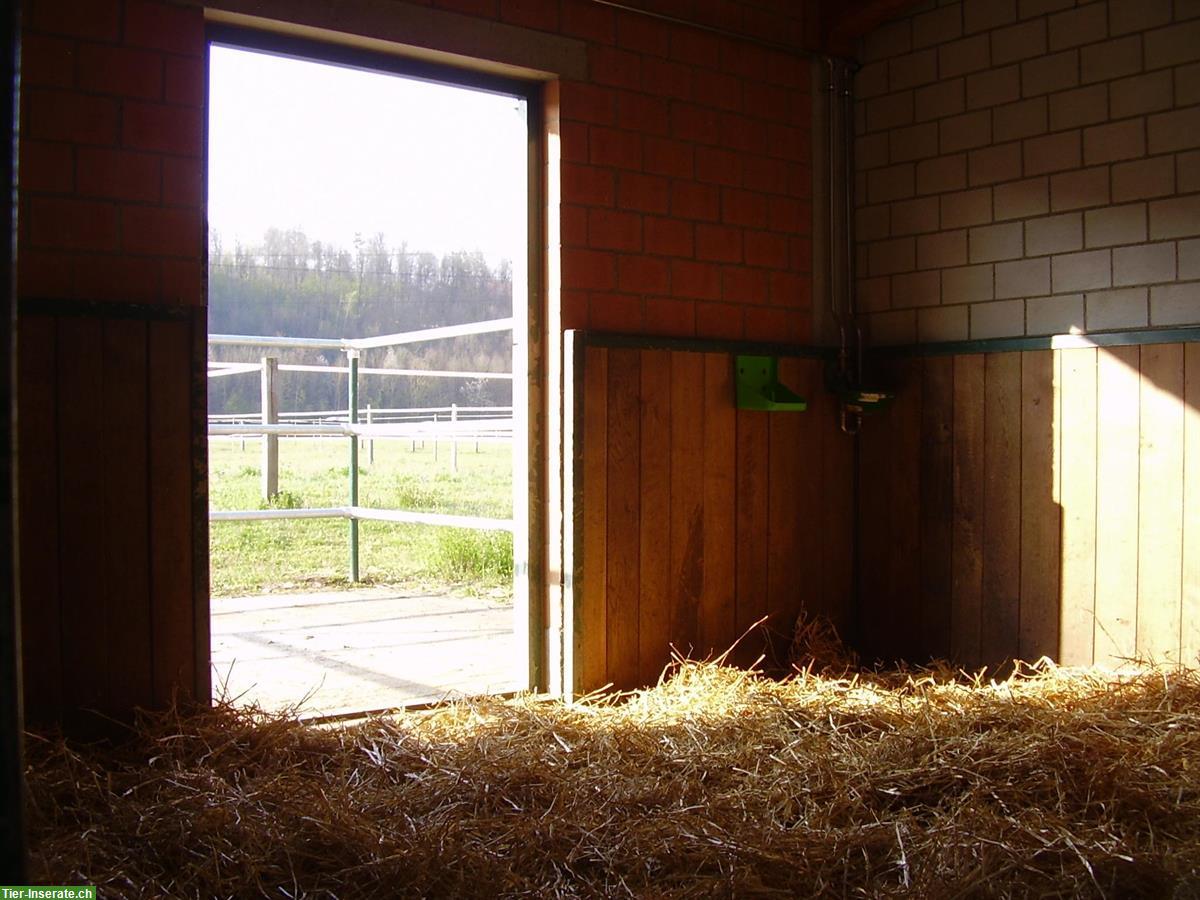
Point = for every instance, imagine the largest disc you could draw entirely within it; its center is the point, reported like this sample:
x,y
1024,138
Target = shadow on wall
x,y
1043,502
700,519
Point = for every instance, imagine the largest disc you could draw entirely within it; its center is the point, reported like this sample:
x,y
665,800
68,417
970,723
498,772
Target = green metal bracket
x,y
758,386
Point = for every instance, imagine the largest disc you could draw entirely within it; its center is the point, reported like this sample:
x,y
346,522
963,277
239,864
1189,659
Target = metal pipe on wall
x,y
847,97
840,224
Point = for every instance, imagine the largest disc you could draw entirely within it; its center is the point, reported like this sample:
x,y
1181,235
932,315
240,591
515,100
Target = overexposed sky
x,y
334,151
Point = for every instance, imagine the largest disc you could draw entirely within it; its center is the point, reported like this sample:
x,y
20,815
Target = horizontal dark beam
x,y
706,345
1045,342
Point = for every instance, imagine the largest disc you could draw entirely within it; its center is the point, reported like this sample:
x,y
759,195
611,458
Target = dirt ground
x,y
368,649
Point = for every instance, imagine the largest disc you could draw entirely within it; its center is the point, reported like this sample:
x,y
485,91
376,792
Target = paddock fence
x,y
452,424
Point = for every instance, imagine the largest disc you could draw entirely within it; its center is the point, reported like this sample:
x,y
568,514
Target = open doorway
x,y
368,299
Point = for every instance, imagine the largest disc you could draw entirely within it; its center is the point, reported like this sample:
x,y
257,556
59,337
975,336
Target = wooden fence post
x,y
270,416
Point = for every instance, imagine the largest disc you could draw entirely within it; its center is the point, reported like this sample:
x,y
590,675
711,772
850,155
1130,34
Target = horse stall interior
x,y
989,216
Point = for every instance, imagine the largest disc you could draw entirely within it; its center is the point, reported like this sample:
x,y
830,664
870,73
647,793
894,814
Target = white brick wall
x,y
1029,167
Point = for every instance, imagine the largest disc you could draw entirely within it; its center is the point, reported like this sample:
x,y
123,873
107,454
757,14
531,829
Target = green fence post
x,y
353,417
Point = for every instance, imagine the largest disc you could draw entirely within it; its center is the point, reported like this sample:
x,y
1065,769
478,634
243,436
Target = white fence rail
x,y
359,513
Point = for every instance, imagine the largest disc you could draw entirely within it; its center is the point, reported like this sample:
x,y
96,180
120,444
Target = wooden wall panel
x,y
86,639
654,520
1009,505
718,615
1190,615
803,377
903,510
109,506
176,669
783,526
967,542
591,626
1041,523
38,522
621,588
835,517
1160,499
936,505
1118,396
1000,597
687,511
124,547
750,563
1077,614
1056,506
701,519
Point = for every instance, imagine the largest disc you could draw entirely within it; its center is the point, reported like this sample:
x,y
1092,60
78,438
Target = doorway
x,y
368,421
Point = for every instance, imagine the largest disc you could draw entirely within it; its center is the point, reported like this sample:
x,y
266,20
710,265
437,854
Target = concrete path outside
x,y
366,649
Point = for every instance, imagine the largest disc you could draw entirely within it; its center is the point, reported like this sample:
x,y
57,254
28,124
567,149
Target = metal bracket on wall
x,y
758,387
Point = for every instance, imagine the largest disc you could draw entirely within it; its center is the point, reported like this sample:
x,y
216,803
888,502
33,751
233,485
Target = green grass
x,y
311,554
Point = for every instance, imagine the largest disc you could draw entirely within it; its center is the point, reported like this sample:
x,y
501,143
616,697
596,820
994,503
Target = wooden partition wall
x,y
698,519
1046,502
112,513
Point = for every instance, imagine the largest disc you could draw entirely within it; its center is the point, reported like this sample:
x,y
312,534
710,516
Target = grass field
x,y
249,557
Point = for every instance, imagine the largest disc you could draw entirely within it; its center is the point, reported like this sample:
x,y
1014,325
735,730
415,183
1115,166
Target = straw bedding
x,y
716,783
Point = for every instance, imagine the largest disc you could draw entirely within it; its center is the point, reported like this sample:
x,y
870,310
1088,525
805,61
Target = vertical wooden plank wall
x,y
1116,535
699,518
1040,551
1055,496
109,514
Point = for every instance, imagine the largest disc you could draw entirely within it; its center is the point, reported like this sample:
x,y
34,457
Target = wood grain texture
x,y
967,549
1160,498
1001,603
877,435
717,619
1041,524
170,468
38,524
802,377
836,511
85,626
903,614
623,542
125,542
591,661
1118,402
1190,613
654,624
687,508
783,525
753,488
1077,613
937,505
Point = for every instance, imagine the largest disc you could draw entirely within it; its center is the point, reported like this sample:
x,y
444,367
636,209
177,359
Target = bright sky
x,y
334,151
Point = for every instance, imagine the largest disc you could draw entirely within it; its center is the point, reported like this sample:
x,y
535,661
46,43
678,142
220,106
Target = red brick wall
x,y
686,183
111,156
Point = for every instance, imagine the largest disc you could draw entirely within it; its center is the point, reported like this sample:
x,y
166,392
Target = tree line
x,y
290,286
